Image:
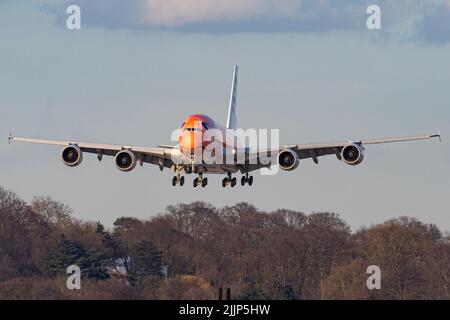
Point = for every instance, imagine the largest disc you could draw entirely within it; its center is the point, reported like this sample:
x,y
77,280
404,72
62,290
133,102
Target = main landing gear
x,y
200,181
229,181
246,179
178,179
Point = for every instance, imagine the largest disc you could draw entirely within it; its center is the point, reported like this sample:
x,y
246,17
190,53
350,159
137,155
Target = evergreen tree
x,y
66,253
146,260
99,228
252,292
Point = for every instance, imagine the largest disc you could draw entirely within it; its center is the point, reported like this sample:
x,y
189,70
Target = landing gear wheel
x,y
224,182
204,182
243,180
250,180
181,181
174,181
195,182
233,182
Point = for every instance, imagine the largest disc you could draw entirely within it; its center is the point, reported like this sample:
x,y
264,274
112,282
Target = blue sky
x,y
310,68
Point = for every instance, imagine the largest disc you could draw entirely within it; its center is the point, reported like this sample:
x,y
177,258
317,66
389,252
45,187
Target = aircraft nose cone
x,y
190,141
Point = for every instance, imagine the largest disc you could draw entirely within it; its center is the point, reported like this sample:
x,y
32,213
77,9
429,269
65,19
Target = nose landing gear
x,y
178,178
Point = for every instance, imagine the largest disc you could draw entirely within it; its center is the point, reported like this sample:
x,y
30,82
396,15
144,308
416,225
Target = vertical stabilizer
x,y
232,117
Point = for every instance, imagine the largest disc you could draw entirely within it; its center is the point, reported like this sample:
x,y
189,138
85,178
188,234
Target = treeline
x,y
191,250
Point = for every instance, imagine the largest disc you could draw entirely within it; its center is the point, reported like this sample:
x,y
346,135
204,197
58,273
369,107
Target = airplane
x,y
181,157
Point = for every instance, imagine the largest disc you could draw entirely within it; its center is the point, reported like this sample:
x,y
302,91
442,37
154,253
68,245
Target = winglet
x,y
10,138
437,136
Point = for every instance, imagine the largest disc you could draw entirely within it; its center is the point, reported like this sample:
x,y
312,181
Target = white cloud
x,y
177,13
424,20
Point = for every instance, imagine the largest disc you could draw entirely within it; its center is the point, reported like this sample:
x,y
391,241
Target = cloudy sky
x,y
311,68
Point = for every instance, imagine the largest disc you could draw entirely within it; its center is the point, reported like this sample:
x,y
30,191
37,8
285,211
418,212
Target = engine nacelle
x,y
352,154
72,156
126,160
288,160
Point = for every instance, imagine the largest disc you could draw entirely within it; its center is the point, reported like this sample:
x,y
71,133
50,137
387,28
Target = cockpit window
x,y
188,127
192,129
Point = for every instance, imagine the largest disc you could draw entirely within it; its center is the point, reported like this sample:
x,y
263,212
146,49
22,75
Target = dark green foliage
x,y
253,292
146,260
99,228
66,253
108,242
264,291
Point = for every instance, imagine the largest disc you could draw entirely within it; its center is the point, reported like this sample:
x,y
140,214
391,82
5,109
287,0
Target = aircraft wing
x,y
162,155
316,150
313,151
155,155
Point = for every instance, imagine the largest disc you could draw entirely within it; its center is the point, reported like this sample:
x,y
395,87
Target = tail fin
x,y
232,117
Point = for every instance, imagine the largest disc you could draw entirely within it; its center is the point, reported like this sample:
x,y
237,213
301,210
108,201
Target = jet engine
x,y
288,160
126,160
72,156
352,154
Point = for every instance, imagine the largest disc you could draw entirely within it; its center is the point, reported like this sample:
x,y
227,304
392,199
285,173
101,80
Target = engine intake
x,y
352,154
288,160
72,156
126,160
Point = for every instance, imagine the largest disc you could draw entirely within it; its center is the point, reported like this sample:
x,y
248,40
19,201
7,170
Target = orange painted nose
x,y
189,141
